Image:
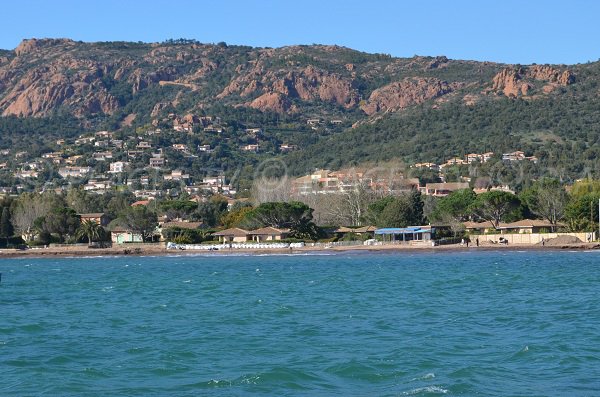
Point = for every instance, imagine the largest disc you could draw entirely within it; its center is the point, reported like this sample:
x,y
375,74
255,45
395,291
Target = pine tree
x,y
6,228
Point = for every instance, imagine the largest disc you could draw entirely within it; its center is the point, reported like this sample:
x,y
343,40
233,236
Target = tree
x,y
582,212
211,211
140,220
548,199
235,217
456,206
6,228
397,211
61,221
494,206
178,208
296,216
91,230
27,209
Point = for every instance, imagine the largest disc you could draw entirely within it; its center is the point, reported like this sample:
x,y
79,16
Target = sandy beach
x,y
160,249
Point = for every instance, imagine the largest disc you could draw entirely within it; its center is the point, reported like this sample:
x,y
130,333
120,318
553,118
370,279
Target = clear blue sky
x,y
524,31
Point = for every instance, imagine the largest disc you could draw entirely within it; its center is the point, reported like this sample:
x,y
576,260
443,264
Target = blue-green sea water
x,y
401,324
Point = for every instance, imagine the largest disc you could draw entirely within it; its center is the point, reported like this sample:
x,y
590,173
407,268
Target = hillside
x,y
415,109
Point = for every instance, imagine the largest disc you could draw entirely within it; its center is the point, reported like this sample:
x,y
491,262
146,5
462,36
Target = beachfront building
x,y
121,235
233,235
528,226
524,226
368,230
406,234
479,227
268,234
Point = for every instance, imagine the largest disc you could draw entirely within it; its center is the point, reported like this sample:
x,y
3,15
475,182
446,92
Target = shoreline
x,y
78,252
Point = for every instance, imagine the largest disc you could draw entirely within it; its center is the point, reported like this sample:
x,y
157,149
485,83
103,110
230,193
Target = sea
x,y
468,323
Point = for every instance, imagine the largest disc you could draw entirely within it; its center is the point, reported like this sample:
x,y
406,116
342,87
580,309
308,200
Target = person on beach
x,y
477,241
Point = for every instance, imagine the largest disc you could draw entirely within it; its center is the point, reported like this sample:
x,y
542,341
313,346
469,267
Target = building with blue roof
x,y
406,234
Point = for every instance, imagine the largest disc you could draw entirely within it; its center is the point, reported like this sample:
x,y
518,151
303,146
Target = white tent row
x,y
215,247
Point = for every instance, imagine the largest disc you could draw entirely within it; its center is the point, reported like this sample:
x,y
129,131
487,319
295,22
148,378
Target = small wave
x,y
430,375
187,281
425,390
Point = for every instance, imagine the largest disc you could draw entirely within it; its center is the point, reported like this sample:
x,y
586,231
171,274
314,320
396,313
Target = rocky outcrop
x,y
274,102
44,89
513,82
30,45
307,84
550,74
404,93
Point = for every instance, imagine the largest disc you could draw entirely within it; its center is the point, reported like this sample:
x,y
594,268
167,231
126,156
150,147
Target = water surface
x,y
422,324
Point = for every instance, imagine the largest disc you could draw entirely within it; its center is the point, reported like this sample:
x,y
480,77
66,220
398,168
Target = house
x,y
118,166
287,148
431,166
180,225
444,189
268,234
157,161
134,153
253,131
102,156
84,140
313,122
205,148
72,160
514,156
479,227
143,145
176,175
250,148
214,128
103,134
76,172
180,147
528,226
101,144
454,161
487,156
52,155
98,186
99,218
233,235
121,235
26,174
473,157
369,230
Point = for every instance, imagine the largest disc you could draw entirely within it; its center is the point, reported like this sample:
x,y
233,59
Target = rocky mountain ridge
x,y
89,80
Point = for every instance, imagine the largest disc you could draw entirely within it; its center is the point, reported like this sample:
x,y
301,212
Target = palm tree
x,y
91,230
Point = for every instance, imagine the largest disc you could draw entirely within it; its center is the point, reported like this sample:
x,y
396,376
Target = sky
x,y
509,31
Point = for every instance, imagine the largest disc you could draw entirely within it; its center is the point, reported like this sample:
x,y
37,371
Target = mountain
x,y
418,109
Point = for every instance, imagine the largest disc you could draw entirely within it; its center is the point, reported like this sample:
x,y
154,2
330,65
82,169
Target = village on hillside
x,y
162,199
